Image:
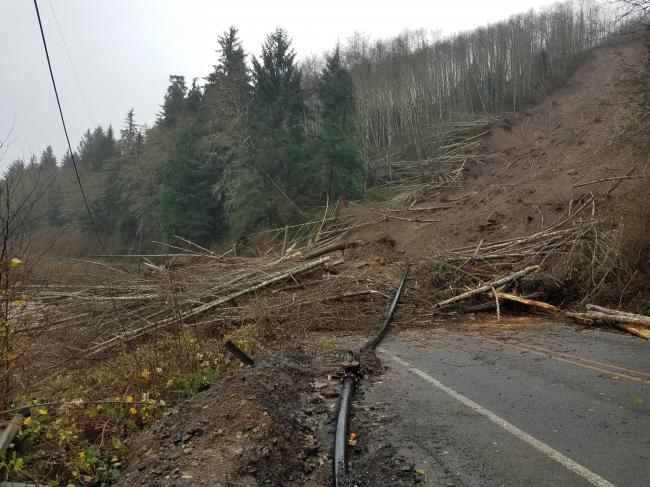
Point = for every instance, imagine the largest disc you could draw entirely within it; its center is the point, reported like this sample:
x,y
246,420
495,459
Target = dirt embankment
x,y
272,424
255,428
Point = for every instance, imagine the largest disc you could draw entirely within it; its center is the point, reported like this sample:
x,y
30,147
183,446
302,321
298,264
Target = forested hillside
x,y
266,141
481,201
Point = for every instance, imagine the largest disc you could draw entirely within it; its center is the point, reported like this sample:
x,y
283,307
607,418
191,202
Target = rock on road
x,y
546,405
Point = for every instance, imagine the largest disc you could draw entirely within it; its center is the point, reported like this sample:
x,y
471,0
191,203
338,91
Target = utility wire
x,y
65,129
74,70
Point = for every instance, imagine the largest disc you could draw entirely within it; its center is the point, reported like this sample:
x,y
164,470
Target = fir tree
x,y
187,207
67,160
275,159
193,100
174,103
97,148
231,73
129,136
33,164
48,159
338,144
224,113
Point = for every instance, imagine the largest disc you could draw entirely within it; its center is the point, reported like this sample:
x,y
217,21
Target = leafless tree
x,y
410,84
21,189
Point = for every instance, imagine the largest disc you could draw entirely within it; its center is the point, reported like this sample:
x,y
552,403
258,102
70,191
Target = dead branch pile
x,y
447,158
89,319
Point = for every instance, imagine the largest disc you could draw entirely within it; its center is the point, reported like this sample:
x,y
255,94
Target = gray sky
x,y
125,50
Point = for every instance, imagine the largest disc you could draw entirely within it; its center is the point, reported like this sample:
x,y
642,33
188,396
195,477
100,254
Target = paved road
x,y
543,406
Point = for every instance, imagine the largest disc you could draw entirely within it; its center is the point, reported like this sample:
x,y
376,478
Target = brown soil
x,y
255,428
272,424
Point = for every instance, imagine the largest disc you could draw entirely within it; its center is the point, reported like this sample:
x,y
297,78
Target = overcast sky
x,y
125,50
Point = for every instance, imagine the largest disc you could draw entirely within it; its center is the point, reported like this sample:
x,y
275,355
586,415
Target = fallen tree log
x,y
641,319
547,308
487,287
7,434
613,318
333,247
621,322
198,310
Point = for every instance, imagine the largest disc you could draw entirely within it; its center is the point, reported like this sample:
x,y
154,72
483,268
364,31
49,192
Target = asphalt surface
x,y
540,405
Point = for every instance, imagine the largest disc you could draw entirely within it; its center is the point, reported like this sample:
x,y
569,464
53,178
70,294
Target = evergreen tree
x,y
224,112
338,143
129,136
174,104
33,164
193,100
109,146
48,159
97,148
231,72
276,86
67,160
187,207
275,159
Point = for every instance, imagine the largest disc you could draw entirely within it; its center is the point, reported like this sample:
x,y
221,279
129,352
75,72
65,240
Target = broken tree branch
x,y
410,220
487,287
547,308
333,247
616,178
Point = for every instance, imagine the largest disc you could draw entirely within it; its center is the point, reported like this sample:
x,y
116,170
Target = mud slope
x,y
576,135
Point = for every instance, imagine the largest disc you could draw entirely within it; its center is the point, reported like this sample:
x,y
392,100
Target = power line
x,y
65,129
74,70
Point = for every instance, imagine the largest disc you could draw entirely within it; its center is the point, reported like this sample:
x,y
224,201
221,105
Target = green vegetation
x,y
80,435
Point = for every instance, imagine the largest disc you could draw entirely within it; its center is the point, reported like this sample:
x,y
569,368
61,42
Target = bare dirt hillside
x,y
576,135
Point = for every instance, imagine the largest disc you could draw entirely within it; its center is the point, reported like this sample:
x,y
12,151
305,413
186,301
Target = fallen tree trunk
x,y
198,310
612,318
333,247
410,220
547,308
7,434
641,319
645,334
621,322
487,287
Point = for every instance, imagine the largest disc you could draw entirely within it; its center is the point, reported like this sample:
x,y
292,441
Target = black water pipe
x,y
372,342
341,436
340,456
239,353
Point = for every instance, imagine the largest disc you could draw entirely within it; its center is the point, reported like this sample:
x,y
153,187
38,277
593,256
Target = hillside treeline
x,y
407,85
264,140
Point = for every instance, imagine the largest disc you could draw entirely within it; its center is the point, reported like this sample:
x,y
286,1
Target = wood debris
x,y
632,323
545,307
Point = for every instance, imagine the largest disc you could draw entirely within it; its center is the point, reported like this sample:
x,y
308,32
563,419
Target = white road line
x,y
584,472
